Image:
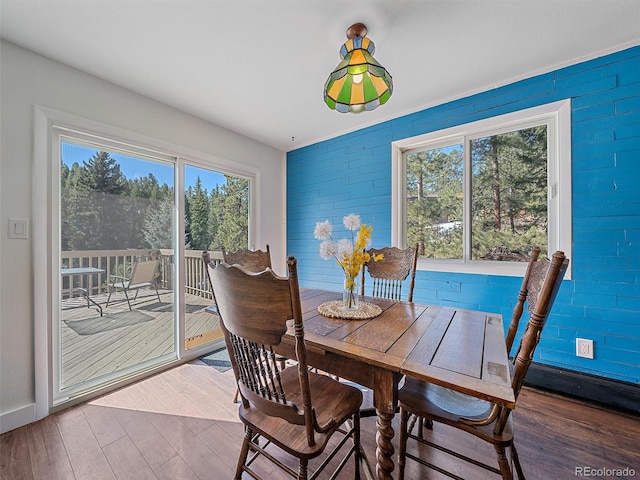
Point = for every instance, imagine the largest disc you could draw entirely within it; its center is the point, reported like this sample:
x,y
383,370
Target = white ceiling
x,y
258,67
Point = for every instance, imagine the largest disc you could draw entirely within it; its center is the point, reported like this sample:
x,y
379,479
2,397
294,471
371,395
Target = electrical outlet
x,y
584,348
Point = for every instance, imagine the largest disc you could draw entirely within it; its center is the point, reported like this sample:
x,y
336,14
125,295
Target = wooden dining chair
x,y
484,420
387,276
293,408
389,273
252,260
515,317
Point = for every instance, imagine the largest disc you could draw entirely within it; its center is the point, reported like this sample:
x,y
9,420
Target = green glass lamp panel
x,y
385,96
344,63
377,70
338,74
357,69
369,89
330,102
345,94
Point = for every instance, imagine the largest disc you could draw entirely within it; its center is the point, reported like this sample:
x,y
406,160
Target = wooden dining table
x,y
463,350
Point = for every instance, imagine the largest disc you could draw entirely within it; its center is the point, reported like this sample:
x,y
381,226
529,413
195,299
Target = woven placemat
x,y
335,309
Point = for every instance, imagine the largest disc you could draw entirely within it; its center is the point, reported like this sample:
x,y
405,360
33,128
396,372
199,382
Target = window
x,y
478,197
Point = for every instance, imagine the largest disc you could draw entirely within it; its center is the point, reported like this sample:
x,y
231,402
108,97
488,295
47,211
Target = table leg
x,y
385,399
89,299
384,448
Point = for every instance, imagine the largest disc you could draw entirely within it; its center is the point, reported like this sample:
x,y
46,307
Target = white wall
x,y
29,79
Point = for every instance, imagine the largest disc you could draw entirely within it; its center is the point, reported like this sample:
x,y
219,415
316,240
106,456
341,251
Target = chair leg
x,y
505,469
244,452
113,288
127,297
356,444
422,424
402,443
283,363
303,473
516,462
235,395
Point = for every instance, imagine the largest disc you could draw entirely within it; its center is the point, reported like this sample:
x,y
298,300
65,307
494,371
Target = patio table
x,y
85,272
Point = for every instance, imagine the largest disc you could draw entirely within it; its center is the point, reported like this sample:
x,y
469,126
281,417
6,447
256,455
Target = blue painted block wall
x,y
352,174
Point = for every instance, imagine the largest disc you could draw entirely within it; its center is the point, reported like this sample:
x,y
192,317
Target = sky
x,y
136,168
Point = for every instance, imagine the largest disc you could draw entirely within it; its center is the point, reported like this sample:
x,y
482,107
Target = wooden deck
x,y
94,345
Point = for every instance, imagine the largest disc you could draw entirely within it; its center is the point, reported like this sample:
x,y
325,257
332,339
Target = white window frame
x,y
557,117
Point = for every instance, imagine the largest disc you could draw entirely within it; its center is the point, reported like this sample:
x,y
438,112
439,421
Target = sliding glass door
x,y
216,214
117,280
129,294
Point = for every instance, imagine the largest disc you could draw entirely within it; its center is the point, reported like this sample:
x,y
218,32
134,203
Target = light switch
x,y
18,228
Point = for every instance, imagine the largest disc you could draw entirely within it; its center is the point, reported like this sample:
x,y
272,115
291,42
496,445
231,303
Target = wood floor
x,y
182,425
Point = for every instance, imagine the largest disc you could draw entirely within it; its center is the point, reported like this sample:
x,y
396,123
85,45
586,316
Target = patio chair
x,y
292,409
143,274
484,420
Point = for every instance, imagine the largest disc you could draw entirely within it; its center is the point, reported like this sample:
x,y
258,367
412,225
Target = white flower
x,y
323,230
328,249
352,222
345,247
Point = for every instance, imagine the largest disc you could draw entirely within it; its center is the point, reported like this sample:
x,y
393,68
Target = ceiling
x,y
258,67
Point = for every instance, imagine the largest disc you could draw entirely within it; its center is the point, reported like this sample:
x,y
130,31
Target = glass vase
x,y
350,294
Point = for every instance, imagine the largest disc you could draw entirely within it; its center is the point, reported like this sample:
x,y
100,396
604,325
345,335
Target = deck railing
x,y
120,262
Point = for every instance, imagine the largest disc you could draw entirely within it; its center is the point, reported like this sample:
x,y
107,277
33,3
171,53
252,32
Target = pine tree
x,y
158,225
199,217
233,229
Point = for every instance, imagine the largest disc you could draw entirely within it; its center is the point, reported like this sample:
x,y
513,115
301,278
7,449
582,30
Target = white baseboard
x,y
17,418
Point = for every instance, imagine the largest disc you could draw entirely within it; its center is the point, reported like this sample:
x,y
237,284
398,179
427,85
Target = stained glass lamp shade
x,y
359,83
